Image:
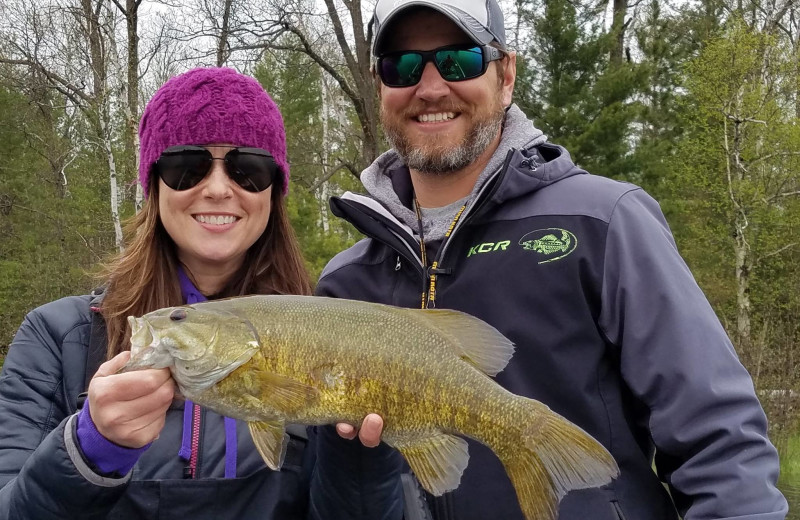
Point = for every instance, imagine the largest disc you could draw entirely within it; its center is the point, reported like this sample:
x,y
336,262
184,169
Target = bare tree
x,y
336,38
67,43
130,11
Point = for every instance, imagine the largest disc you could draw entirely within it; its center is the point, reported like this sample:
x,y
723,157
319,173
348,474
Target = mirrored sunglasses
x,y
454,63
184,167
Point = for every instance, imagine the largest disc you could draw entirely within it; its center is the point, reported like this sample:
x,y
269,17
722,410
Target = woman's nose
x,y
217,183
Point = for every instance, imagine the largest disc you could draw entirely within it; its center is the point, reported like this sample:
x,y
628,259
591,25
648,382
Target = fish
x,y
278,360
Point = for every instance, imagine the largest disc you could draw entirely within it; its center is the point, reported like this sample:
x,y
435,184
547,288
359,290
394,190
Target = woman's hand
x,y
130,409
369,434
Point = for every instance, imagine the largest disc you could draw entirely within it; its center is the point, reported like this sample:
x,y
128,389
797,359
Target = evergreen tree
x,y
295,83
54,223
581,100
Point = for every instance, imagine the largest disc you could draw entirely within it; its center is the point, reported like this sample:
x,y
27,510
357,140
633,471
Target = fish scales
x,y
397,371
272,360
400,368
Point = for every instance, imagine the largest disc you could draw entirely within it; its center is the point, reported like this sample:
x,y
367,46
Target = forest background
x,y
697,101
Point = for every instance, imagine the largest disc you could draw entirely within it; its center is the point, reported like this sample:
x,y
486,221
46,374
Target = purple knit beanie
x,y
206,106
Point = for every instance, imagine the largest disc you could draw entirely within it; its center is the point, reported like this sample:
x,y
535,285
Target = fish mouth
x,y
146,347
142,335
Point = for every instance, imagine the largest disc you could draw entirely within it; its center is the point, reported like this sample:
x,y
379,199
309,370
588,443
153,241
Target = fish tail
x,y
550,457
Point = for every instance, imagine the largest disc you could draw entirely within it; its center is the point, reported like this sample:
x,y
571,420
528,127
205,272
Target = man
x,y
473,210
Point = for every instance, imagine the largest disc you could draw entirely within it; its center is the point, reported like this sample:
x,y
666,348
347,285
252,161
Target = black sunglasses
x,y
183,167
454,63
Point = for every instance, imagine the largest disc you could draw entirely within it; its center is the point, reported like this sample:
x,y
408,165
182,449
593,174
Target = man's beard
x,y
437,156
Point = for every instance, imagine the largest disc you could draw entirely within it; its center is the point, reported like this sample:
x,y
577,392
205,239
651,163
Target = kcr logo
x,y
488,247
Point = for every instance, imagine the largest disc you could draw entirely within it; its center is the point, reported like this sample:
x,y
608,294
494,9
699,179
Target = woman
x,y
213,167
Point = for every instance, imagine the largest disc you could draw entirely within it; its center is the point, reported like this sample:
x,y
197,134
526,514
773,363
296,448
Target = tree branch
x,y
773,155
321,62
62,85
778,251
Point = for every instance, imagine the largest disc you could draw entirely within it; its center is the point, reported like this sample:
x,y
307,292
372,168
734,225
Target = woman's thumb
x,y
113,365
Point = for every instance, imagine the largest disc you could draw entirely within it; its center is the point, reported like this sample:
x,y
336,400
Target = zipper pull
x,y
530,163
397,265
432,272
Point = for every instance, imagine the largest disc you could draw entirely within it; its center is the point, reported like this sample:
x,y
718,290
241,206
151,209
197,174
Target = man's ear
x,y
509,71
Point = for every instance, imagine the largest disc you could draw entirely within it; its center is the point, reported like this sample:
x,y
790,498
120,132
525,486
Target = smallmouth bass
x,y
273,360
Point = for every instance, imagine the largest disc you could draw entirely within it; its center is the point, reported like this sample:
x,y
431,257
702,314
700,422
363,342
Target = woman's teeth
x,y
217,220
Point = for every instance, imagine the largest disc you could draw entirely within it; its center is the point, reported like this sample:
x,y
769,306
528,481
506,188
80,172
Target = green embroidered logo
x,y
549,242
488,247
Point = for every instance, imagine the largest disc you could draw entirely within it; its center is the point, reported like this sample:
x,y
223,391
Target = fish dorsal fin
x,y
438,460
270,441
282,392
474,340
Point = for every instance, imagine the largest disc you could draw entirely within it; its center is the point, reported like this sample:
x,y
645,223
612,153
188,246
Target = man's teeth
x,y
432,118
215,219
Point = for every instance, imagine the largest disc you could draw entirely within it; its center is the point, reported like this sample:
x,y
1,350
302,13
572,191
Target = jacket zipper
x,y
490,186
195,440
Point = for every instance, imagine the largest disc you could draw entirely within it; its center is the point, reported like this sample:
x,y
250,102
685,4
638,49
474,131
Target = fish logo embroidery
x,y
552,243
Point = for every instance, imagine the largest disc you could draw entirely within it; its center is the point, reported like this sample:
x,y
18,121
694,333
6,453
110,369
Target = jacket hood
x,y
523,161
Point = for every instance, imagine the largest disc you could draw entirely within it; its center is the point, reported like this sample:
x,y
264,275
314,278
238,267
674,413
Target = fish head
x,y
200,345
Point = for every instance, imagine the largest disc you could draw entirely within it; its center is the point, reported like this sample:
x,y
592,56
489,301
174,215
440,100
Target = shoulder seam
x,y
356,260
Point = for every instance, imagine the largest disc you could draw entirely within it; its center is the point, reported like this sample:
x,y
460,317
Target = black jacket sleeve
x,y
703,415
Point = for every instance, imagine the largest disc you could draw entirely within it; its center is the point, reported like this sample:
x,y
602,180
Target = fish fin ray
x,y
438,461
474,340
270,440
282,392
549,458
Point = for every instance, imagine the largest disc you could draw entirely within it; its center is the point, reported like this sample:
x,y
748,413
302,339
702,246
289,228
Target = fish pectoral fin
x,y
284,393
438,461
270,440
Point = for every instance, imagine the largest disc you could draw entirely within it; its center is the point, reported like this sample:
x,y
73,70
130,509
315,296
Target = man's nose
x,y
431,84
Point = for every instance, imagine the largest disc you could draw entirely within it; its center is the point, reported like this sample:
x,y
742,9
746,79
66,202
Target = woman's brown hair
x,y
144,277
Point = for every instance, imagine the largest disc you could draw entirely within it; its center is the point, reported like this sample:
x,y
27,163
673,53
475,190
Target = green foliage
x,y
51,228
295,84
580,100
790,463
735,170
663,54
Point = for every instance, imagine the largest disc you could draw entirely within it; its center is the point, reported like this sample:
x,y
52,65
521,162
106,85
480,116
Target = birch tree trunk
x,y
735,174
743,258
322,193
100,102
112,184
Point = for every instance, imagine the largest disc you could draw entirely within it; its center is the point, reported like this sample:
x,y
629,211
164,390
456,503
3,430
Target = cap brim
x,y
471,27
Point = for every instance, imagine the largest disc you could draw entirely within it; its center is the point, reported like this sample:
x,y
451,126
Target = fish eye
x,y
177,315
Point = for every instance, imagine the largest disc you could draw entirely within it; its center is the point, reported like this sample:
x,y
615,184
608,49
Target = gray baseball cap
x,y
481,20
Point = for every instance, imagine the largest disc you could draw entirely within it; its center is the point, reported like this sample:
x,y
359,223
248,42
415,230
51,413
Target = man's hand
x,y
369,434
130,409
